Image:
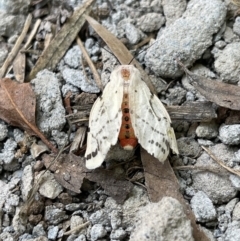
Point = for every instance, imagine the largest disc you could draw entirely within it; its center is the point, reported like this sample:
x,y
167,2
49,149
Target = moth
x,y
127,111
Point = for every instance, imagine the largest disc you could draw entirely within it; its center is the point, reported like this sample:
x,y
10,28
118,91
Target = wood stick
x,y
16,47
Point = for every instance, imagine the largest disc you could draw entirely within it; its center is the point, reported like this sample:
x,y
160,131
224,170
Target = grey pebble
x,y
203,207
8,152
118,234
11,24
3,131
49,187
151,22
27,181
157,219
78,79
98,231
230,134
236,26
235,181
208,130
225,63
173,10
133,34
173,40
52,232
176,95
50,110
60,137
100,216
236,212
73,57
38,230
217,187
188,147
54,215
233,231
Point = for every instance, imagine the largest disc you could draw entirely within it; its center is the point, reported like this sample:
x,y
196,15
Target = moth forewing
x,y
148,118
104,123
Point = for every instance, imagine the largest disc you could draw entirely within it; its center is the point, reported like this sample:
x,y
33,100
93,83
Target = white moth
x,y
127,108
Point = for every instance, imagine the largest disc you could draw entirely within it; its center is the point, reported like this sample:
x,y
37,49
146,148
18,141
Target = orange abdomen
x,y
126,136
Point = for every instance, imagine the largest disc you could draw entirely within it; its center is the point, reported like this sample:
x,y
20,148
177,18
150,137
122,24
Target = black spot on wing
x,y
92,154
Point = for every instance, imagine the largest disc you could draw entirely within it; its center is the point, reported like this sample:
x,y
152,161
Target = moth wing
x,y
104,122
150,120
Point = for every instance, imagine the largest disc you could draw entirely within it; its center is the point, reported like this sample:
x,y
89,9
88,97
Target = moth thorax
x,y
125,73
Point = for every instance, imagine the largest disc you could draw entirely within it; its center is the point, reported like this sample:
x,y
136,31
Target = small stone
x,y
3,131
188,147
176,95
173,9
157,219
73,57
207,130
100,216
38,230
133,34
50,110
27,182
217,187
52,232
78,79
49,188
230,134
118,234
54,215
235,181
233,231
225,63
60,137
203,207
151,22
236,26
97,232
35,219
116,219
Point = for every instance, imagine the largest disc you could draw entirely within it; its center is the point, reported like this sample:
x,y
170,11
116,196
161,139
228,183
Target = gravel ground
x,y
206,36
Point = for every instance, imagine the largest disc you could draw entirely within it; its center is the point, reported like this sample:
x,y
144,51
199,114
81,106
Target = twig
x,y
90,63
220,162
16,47
216,170
77,229
32,34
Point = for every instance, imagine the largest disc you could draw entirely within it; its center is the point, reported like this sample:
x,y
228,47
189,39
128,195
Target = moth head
x,y
125,73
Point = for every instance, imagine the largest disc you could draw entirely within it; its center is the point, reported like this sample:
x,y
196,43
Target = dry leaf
x,y
17,107
161,181
69,170
223,94
113,184
62,41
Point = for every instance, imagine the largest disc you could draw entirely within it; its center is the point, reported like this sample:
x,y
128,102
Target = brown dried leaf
x,y
17,107
114,185
161,181
223,94
70,171
62,41
19,65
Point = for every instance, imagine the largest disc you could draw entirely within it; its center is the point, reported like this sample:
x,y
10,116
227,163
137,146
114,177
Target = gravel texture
x,y
205,35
